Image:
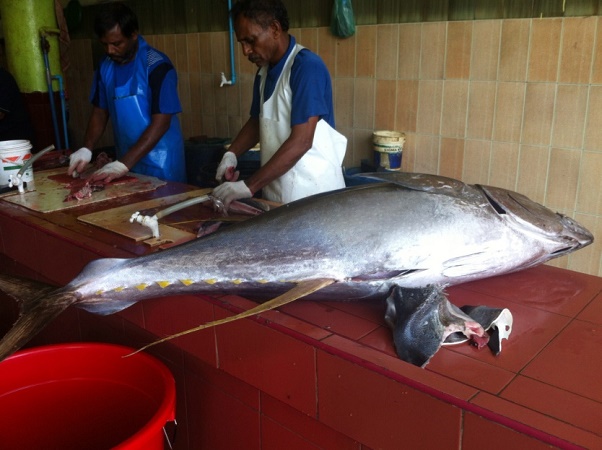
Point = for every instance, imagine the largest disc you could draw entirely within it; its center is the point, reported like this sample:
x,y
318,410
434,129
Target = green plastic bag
x,y
343,22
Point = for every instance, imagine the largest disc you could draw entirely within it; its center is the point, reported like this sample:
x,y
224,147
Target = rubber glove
x,y
231,190
109,172
226,168
78,161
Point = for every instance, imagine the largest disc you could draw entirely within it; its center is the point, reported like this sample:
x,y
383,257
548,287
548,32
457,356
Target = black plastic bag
x,y
343,22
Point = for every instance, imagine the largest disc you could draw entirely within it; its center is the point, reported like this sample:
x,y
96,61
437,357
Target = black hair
x,y
264,12
116,14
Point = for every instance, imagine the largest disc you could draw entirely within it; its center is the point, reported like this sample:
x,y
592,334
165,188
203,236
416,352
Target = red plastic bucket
x,y
76,396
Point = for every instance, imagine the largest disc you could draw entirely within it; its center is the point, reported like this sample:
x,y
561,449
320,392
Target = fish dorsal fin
x,y
300,290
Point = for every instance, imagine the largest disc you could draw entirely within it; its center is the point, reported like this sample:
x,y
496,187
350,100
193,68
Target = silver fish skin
x,y
410,231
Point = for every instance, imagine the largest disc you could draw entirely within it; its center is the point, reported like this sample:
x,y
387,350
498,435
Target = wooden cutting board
x,y
118,220
50,191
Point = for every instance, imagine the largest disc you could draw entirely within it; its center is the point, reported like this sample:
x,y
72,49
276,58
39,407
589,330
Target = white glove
x,y
110,171
229,191
226,168
78,161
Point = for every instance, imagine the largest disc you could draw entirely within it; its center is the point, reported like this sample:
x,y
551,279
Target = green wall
x,y
190,16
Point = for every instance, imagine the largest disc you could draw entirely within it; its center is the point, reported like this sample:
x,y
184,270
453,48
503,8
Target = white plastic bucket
x,y
388,147
13,154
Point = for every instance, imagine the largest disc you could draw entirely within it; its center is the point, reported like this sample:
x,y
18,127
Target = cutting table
x,y
325,375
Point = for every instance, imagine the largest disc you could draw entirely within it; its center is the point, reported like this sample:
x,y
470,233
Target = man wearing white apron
x,y
292,114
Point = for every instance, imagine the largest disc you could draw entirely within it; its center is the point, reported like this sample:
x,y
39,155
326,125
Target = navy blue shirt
x,y
310,84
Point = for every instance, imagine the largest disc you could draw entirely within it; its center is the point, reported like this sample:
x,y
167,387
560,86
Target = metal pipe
x,y
224,80
59,78
55,125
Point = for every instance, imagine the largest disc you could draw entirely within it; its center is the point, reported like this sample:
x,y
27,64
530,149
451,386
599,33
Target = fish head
x,y
555,233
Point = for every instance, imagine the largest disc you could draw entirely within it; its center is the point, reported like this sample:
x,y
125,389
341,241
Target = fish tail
x,y
40,304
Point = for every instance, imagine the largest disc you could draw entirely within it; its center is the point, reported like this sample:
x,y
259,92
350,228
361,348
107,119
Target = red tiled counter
x,y
325,375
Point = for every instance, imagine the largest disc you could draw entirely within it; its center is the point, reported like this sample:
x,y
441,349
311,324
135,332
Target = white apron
x,y
319,170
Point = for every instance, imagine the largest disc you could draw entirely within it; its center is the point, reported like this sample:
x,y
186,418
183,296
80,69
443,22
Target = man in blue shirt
x,y
136,86
291,115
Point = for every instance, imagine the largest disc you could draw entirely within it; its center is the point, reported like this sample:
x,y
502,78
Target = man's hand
x,y
226,168
229,191
110,172
78,161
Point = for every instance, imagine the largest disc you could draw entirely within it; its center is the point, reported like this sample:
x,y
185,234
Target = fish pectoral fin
x,y
300,290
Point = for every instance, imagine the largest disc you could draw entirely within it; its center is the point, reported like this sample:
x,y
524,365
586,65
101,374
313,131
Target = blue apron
x,y
129,107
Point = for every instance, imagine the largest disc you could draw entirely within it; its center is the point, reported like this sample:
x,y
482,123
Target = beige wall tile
x,y
169,46
432,53
563,179
455,107
589,200
533,172
597,69
509,106
410,38
362,146
458,50
327,49
343,105
363,104
180,58
504,165
345,57
539,112
428,119
193,52
569,117
232,99
365,58
407,105
386,99
308,38
426,154
477,160
514,50
220,52
593,130
577,49
485,50
387,51
409,153
545,49
451,157
481,107
205,53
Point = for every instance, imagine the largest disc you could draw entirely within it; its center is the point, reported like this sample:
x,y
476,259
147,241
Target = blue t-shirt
x,y
162,80
310,84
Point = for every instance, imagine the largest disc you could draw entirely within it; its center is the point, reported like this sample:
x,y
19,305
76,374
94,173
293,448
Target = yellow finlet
x,y
163,284
187,282
301,290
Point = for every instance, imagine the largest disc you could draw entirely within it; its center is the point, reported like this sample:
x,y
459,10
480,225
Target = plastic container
x,y
84,396
13,155
388,148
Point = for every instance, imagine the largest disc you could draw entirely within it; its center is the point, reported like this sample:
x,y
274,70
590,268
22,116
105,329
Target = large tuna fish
x,y
404,239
